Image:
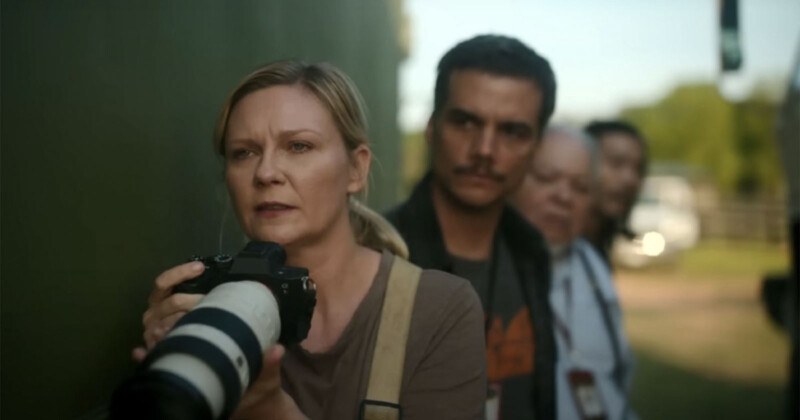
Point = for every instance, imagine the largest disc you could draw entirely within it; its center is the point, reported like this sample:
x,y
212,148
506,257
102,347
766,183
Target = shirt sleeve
x,y
445,372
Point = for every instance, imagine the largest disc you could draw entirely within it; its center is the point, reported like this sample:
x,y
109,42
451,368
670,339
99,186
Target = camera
x,y
262,262
201,369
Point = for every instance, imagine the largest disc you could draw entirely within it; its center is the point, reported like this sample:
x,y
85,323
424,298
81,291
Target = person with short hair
x,y
622,168
595,364
292,137
494,95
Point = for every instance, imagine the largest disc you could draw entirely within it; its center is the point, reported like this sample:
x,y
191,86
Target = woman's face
x,y
287,169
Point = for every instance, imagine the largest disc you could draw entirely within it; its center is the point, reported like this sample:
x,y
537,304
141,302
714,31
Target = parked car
x,y
663,223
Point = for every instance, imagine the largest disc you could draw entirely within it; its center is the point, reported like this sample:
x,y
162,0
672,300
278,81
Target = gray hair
x,y
581,137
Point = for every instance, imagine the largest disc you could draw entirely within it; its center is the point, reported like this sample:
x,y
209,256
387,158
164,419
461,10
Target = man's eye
x,y
517,132
463,121
544,177
615,162
581,187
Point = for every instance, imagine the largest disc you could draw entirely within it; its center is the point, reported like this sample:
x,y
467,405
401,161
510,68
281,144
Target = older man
x,y
594,367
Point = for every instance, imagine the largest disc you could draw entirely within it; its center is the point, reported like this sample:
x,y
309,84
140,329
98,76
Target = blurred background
x,y
108,175
704,283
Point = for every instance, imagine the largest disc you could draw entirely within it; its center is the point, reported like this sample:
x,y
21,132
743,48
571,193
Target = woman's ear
x,y
360,159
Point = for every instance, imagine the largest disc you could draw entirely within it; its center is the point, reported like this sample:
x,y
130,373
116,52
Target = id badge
x,y
493,402
587,396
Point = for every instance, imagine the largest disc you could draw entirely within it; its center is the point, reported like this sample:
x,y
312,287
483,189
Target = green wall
x,y
107,171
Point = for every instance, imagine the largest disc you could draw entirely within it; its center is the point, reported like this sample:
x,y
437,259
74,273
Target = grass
x,y
705,345
739,259
662,390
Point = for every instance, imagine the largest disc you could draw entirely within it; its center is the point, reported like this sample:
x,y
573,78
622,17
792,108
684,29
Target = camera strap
x,y
389,355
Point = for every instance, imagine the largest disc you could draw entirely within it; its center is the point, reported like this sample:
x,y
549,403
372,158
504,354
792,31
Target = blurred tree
x,y
760,170
734,142
415,160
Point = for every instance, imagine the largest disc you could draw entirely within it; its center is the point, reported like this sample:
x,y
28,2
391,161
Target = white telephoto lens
x,y
253,303
217,347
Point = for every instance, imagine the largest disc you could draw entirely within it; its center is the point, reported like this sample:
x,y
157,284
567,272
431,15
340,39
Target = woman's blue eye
x,y
240,154
299,147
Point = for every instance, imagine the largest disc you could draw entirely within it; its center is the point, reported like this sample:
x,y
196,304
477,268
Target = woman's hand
x,y
165,308
265,399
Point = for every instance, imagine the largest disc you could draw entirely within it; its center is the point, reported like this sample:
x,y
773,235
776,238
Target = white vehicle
x,y
664,221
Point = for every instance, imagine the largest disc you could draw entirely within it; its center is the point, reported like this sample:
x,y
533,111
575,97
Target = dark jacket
x,y
417,223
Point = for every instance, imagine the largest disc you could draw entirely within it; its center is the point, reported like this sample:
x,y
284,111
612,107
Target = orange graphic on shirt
x,y
509,351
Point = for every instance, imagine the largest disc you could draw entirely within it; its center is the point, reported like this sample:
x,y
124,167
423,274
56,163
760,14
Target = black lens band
x,y
216,359
235,328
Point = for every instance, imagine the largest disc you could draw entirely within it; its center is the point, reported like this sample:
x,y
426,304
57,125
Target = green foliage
x,y
730,259
415,160
662,390
733,142
704,344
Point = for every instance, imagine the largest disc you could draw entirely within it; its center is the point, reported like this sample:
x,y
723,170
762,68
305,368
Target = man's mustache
x,y
480,171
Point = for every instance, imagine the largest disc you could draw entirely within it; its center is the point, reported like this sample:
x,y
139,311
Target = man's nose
x,y
485,143
631,176
564,192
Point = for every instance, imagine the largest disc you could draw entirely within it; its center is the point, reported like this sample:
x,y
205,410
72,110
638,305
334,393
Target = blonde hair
x,y
339,95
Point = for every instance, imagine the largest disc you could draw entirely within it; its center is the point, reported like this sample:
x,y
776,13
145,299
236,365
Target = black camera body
x,y
203,366
263,262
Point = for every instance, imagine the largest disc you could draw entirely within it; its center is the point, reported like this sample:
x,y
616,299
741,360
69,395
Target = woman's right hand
x,y
165,309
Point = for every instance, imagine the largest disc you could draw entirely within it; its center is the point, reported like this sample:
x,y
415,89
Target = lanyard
x,y
562,326
491,286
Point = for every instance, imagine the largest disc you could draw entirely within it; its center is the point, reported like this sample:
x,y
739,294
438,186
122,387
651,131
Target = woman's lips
x,y
273,209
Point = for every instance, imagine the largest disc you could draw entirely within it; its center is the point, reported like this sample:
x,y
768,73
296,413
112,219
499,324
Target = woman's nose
x,y
268,171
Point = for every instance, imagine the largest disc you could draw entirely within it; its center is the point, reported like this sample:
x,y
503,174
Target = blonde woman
x,y
293,140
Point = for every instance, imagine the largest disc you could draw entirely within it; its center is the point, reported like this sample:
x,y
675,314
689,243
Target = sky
x,y
607,54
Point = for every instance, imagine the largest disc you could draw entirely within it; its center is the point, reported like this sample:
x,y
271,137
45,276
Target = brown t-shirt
x,y
444,375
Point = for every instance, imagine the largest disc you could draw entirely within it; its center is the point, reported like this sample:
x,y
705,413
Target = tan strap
x,y
386,373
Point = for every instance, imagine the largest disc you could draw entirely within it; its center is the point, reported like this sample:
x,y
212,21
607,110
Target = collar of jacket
x,y
416,220
417,223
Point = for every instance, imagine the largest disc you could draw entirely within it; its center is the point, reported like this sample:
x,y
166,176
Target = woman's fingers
x,y
169,322
264,391
274,355
269,379
175,275
165,309
159,319
179,302
152,336
138,354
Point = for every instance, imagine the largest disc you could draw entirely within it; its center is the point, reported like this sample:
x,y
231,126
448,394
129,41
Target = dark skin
x,y
621,173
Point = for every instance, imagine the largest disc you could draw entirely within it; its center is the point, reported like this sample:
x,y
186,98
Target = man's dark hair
x,y
501,56
600,129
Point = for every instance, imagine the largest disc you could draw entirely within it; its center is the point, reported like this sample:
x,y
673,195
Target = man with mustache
x,y
493,97
623,166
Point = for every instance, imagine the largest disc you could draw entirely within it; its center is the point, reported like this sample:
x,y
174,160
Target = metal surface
x,y
108,174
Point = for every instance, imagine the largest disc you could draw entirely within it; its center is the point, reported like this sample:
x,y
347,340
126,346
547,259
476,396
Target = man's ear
x,y
360,160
